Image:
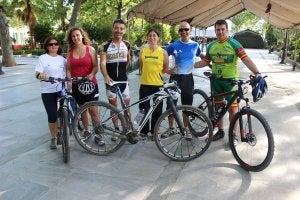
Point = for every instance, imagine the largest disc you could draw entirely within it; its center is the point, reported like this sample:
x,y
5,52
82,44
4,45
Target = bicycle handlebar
x,y
234,82
73,79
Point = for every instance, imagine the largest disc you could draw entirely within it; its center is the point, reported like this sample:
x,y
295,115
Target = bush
x,y
36,52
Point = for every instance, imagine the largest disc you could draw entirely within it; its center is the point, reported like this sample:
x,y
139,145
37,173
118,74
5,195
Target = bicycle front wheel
x,y
183,145
104,128
64,135
254,151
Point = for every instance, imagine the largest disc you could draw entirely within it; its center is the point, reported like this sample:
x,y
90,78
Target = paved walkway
x,y
30,170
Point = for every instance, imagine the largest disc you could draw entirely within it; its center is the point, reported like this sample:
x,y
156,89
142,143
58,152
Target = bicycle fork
x,y
176,116
246,137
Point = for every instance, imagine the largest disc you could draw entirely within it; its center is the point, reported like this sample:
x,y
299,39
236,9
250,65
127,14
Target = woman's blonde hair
x,y
85,37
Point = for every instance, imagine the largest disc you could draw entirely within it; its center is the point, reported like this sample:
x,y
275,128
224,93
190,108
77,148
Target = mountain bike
x,y
255,148
112,122
65,115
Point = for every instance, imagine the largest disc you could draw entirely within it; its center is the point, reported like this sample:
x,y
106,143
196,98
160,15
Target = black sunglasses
x,y
52,44
183,29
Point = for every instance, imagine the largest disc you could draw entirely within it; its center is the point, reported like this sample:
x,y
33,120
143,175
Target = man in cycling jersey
x,y
224,53
184,51
114,60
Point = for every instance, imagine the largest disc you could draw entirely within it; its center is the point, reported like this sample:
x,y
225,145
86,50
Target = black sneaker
x,y
220,134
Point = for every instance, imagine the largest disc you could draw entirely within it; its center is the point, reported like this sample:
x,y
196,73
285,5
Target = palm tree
x,y
7,55
25,12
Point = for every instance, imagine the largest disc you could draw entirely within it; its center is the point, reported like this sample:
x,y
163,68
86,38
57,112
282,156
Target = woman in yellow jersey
x,y
154,61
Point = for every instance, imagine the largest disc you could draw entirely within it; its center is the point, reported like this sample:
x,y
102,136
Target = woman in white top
x,y
51,64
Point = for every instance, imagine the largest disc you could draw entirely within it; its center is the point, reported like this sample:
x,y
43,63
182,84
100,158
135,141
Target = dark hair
x,y
46,42
153,30
221,22
119,21
85,37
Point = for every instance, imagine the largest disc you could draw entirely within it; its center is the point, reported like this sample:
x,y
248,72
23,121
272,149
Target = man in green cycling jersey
x,y
224,53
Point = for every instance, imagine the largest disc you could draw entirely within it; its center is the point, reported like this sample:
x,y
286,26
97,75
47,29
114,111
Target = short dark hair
x,y
119,21
46,42
221,22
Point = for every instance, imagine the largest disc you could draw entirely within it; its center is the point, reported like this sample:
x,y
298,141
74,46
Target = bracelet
x,y
37,75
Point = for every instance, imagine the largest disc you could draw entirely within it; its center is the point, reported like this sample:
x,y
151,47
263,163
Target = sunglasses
x,y
52,44
183,29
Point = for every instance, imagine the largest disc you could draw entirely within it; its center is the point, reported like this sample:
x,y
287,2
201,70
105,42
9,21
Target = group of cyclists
x,y
221,55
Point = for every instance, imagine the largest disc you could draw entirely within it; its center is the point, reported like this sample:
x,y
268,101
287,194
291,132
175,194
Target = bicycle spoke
x,y
183,146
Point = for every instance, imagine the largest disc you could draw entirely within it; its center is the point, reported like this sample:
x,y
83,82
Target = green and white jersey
x,y
224,56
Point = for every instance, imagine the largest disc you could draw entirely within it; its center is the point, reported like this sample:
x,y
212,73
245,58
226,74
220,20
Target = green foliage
x,y
244,20
42,31
36,52
173,33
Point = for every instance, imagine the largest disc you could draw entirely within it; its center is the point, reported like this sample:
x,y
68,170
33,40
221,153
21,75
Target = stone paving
x,y
30,170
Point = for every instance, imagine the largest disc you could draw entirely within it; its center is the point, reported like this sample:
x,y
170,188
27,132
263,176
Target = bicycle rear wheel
x,y
64,134
256,152
178,146
201,101
100,127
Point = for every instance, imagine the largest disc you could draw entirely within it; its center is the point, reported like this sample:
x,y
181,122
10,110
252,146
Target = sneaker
x,y
59,139
235,141
53,144
220,134
115,138
99,140
86,135
141,136
188,136
168,133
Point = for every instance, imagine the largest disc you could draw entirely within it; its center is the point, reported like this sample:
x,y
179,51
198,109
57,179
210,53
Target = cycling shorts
x,y
221,86
124,87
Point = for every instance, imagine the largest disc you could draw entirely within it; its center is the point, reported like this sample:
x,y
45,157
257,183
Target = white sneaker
x,y
168,133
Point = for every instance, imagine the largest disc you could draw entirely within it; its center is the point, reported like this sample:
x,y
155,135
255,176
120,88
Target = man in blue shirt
x,y
184,51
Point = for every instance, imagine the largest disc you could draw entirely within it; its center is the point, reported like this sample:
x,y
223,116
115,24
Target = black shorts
x,y
185,83
81,98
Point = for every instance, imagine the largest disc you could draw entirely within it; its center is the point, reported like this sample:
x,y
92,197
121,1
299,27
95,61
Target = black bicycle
x,y
114,126
66,108
254,149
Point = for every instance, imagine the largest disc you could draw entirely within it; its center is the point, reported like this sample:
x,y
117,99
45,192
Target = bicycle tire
x,y
257,153
65,135
104,129
177,147
201,101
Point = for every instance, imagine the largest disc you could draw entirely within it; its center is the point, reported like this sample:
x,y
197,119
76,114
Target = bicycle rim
x,y
180,147
257,152
201,101
101,128
65,136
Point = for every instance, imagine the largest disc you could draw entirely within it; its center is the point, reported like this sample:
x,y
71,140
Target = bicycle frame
x,y
160,96
215,116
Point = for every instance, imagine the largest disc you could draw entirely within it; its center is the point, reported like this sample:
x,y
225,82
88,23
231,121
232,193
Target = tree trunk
x,y
75,12
7,54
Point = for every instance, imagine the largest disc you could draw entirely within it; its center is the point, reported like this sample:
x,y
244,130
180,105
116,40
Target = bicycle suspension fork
x,y
175,114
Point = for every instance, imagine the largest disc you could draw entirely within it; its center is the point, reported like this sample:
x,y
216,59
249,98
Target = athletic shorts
x,y
81,98
185,83
124,87
221,86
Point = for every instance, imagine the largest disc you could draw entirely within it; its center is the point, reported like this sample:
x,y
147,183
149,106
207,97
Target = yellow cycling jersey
x,y
152,66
